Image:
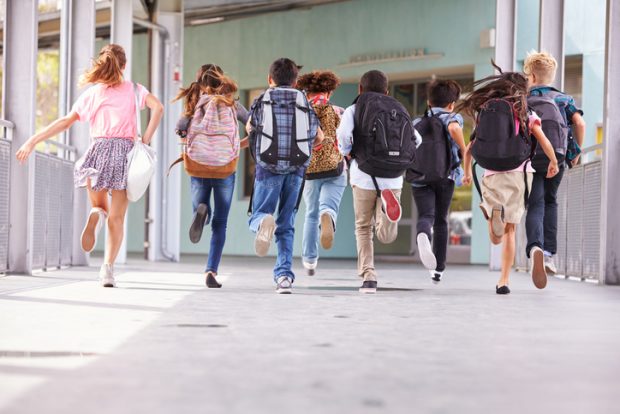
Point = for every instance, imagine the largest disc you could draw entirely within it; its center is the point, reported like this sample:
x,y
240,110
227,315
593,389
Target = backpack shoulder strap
x,y
302,118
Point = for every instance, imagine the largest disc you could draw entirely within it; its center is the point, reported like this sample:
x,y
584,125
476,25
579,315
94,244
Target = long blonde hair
x,y
107,68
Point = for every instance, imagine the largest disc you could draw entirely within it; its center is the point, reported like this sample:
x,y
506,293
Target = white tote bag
x,y
140,161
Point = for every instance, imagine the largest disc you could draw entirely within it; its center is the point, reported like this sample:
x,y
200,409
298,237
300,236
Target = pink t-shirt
x,y
533,119
110,111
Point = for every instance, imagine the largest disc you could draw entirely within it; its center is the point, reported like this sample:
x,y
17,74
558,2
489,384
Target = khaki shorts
x,y
507,190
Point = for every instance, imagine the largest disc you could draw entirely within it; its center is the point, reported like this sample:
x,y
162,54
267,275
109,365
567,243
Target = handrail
x,y
62,146
7,124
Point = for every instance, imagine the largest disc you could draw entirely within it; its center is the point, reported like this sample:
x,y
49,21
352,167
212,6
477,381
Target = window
x,y
573,77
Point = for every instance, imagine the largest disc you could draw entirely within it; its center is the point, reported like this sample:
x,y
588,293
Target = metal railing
x,y
5,171
52,215
579,221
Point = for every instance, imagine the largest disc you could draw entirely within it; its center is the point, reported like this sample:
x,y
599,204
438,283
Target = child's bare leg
x,y
508,254
494,239
98,198
116,221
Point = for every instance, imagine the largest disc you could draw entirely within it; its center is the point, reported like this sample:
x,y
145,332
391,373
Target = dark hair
x,y
318,82
511,86
208,76
374,81
442,93
284,72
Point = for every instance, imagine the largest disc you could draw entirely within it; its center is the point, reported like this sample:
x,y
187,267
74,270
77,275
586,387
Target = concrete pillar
x,y
165,191
610,222
80,44
20,84
122,34
551,34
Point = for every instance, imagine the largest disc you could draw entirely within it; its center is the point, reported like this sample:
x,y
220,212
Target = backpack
x,y
212,149
433,157
326,160
498,143
383,137
554,125
270,144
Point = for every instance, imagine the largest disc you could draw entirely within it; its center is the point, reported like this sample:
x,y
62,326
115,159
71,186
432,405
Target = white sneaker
x,y
106,276
550,265
96,218
537,266
435,276
426,252
310,267
264,235
284,285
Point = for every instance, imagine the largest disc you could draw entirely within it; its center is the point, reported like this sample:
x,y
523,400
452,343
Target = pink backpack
x,y
213,135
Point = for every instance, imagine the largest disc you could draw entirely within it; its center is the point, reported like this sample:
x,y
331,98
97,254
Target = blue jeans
x,y
321,196
541,222
222,189
279,191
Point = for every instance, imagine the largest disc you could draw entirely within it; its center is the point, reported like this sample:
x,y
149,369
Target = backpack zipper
x,y
384,133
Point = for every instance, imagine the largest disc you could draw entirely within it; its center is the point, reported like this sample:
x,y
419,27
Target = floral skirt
x,y
105,164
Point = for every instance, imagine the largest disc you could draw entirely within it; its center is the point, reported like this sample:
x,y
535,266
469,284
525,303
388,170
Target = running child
x,y
326,176
210,132
502,144
283,127
376,131
561,119
109,106
434,172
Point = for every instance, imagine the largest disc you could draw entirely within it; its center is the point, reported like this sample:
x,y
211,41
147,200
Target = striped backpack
x,y
212,147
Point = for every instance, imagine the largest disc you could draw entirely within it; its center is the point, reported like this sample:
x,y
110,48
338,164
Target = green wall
x,y
322,38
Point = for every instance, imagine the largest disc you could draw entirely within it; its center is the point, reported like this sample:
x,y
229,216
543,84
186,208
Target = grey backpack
x,y
554,126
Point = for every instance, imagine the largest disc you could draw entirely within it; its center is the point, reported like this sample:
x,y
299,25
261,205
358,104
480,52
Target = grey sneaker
x,y
310,267
264,235
550,265
426,252
284,285
537,266
106,276
369,286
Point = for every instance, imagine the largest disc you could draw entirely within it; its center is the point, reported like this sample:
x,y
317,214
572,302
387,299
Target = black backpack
x,y
554,125
496,145
433,157
383,137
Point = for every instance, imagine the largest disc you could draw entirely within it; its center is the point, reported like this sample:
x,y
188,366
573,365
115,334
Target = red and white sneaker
x,y
391,206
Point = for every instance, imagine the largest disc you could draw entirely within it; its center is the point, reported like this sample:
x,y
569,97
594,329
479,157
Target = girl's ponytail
x,y
107,68
190,96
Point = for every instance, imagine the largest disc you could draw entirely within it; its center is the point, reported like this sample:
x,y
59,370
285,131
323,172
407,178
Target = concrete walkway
x,y
162,343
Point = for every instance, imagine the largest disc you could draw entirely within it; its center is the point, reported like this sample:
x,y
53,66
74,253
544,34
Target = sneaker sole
x,y
310,272
368,290
550,270
195,230
391,206
539,275
284,291
426,252
109,285
327,231
264,236
89,238
497,223
435,282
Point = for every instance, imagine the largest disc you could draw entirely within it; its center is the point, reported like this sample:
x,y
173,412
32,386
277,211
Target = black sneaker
x,y
198,224
504,290
211,281
369,286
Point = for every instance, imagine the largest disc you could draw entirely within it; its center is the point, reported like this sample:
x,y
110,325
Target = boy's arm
x,y
547,148
456,132
344,132
579,129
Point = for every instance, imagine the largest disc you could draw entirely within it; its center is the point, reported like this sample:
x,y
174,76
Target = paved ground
x,y
162,343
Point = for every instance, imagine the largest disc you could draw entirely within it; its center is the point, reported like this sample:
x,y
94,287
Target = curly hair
x,y
318,82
